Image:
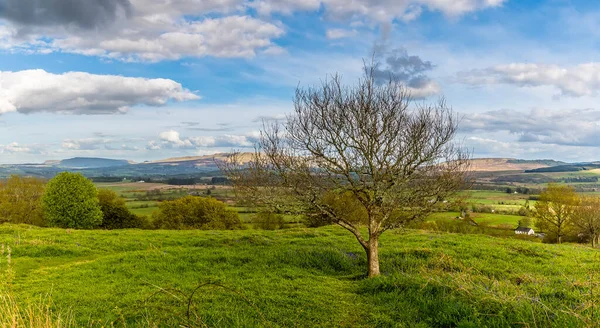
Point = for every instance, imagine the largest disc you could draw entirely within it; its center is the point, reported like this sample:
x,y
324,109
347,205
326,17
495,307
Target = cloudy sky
x,y
149,79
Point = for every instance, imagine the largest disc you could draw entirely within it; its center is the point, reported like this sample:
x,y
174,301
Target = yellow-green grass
x,y
147,211
491,219
301,277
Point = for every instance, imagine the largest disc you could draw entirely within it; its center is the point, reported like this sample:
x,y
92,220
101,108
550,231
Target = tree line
x,y
69,200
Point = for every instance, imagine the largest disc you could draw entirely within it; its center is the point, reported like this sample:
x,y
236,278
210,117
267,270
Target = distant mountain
x,y
88,163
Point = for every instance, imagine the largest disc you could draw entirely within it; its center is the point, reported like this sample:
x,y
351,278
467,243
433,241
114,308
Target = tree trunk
x,y
373,256
559,238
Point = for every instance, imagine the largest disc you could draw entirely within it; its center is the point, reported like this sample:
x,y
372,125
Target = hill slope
x,y
510,164
301,277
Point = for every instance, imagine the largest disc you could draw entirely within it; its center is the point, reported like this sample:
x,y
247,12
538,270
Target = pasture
x,y
298,277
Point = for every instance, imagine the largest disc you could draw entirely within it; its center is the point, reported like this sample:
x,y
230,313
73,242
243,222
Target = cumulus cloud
x,y
173,139
83,93
376,10
16,148
575,81
573,127
156,30
85,144
137,30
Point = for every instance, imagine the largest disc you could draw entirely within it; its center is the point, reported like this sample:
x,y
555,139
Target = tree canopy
x,y
192,212
20,200
554,211
70,201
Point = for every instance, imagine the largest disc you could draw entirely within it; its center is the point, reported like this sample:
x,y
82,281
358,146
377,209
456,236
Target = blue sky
x,y
150,79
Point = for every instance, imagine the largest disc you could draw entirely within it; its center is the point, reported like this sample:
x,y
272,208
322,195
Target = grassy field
x,y
491,219
300,277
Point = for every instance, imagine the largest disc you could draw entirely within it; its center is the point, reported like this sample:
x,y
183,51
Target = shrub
x,y
21,200
115,214
478,208
526,222
192,212
70,201
268,221
314,221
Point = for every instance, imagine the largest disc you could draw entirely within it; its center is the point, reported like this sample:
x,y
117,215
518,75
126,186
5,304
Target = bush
x,y
21,200
71,201
315,221
268,221
526,222
478,208
116,215
192,212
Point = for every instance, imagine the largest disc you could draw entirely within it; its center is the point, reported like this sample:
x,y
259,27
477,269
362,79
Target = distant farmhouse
x,y
524,231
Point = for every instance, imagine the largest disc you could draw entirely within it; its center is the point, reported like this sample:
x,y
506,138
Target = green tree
x,y
115,214
526,222
70,201
20,200
192,212
268,221
587,218
554,209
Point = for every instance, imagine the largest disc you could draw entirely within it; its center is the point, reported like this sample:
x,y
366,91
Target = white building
x,y
524,231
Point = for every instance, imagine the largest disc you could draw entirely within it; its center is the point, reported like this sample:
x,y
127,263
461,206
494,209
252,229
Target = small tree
x,y
193,212
21,200
363,147
555,208
115,214
526,222
586,218
70,201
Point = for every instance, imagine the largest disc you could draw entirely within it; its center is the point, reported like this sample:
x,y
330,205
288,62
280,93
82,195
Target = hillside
x,y
510,164
203,161
261,278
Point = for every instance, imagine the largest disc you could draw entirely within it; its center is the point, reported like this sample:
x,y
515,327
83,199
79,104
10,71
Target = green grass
x,y
302,277
144,210
491,219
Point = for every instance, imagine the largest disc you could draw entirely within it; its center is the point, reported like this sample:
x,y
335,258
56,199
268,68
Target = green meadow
x,y
298,277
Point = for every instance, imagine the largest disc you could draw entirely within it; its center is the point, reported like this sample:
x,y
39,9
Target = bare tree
x,y
358,156
586,218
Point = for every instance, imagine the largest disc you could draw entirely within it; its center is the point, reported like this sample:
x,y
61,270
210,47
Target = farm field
x,y
491,219
263,278
498,200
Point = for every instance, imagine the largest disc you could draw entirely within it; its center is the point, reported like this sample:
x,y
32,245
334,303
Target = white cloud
x,y
572,127
154,30
430,88
375,10
173,139
84,144
83,93
576,81
340,33
17,148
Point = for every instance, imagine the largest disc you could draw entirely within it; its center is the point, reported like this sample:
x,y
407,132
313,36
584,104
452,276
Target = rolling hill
x,y
510,164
